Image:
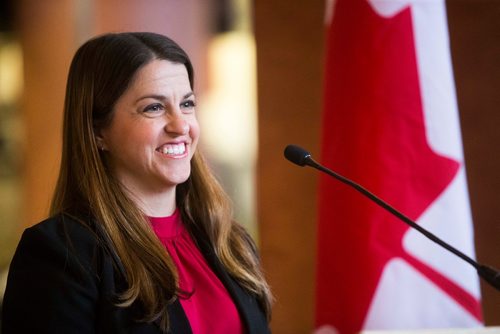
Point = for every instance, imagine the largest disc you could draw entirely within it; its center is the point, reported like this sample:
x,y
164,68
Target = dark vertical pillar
x,y
475,43
289,38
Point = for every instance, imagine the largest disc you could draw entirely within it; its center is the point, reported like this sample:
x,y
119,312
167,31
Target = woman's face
x,y
154,132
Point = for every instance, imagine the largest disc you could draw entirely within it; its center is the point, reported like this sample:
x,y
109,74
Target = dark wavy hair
x,y
100,72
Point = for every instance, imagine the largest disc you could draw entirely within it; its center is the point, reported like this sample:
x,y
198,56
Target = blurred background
x,y
259,72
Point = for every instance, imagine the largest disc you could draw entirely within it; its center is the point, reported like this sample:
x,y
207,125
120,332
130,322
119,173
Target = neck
x,y
161,204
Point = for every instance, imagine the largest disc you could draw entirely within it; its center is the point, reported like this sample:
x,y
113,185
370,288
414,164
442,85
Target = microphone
x,y
301,157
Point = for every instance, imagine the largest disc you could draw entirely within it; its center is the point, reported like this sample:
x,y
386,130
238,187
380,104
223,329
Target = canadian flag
x,y
391,124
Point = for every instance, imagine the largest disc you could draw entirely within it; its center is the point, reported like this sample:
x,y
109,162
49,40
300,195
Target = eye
x,y
188,104
155,108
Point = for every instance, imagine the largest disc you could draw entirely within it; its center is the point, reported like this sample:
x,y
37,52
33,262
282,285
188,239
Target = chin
x,y
178,179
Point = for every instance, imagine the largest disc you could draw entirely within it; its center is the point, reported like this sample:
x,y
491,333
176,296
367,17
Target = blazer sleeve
x,y
51,287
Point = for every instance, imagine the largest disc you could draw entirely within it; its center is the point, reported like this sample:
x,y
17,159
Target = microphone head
x,y
297,155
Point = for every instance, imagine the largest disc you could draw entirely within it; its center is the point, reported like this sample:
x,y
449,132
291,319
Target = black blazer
x,y
62,279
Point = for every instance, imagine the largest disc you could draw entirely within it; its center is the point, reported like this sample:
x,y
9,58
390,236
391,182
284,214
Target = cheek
x,y
137,138
194,131
137,144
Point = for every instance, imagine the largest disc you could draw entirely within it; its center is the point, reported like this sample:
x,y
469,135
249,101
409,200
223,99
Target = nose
x,y
177,125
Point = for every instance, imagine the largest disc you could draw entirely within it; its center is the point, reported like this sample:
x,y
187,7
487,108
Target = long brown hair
x,y
99,74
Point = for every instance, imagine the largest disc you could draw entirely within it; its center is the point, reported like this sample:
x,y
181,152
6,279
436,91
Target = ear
x,y
101,143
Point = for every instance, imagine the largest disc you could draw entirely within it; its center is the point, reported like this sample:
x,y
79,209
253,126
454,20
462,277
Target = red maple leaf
x,y
374,134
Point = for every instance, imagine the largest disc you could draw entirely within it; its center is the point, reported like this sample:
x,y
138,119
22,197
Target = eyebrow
x,y
162,97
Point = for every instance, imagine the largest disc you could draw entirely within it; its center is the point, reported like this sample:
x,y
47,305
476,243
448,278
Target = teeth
x,y
173,149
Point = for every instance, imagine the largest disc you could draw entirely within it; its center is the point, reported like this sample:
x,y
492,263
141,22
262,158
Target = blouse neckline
x,y
169,226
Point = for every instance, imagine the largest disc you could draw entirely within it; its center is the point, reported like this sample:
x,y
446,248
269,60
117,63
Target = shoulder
x,y
62,279
60,242
62,233
63,226
55,271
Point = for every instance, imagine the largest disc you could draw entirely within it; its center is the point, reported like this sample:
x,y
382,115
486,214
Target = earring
x,y
99,142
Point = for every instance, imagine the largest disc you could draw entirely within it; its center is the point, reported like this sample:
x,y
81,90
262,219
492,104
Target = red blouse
x,y
209,306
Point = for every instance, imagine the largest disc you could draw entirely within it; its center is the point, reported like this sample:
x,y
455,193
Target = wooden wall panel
x,y
289,36
46,34
475,43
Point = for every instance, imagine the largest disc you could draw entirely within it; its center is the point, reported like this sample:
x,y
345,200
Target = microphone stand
x,y
489,274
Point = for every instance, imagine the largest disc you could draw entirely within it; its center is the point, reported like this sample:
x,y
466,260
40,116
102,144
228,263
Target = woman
x,y
141,237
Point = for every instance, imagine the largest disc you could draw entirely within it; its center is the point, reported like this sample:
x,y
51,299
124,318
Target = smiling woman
x,y
153,135
141,237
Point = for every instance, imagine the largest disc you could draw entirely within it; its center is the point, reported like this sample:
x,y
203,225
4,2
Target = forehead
x,y
161,73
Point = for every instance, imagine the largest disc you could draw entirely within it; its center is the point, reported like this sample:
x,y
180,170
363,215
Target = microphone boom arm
x,y
489,274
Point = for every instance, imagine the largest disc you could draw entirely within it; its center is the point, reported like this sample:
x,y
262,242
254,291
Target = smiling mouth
x,y
173,150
